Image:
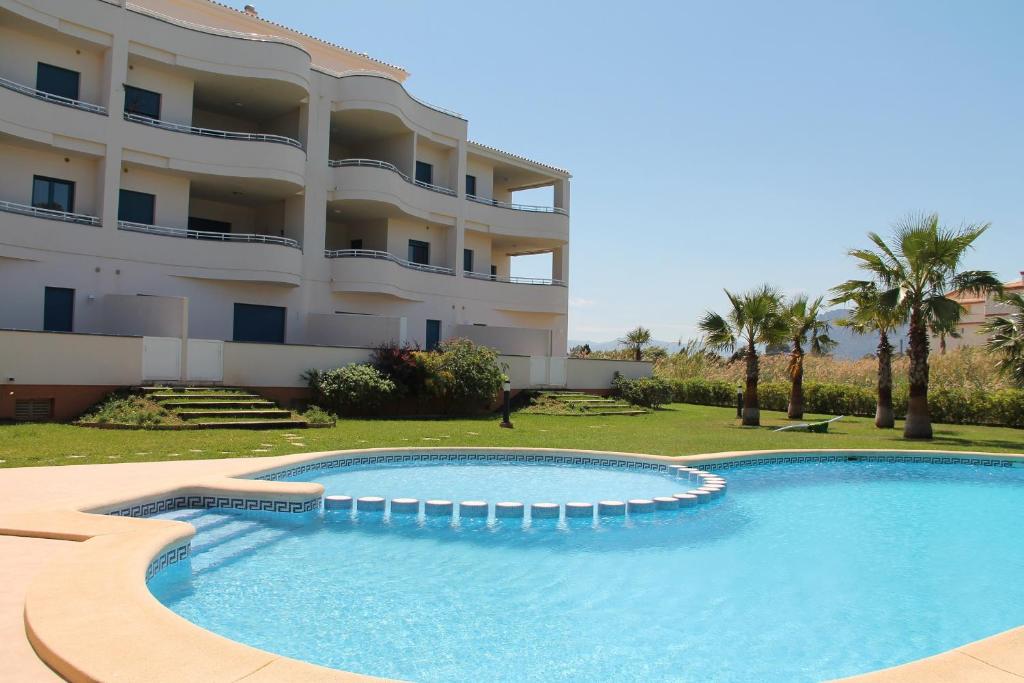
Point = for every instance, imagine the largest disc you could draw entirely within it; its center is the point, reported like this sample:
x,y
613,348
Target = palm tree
x,y
870,314
1006,338
755,318
917,269
803,327
636,340
946,328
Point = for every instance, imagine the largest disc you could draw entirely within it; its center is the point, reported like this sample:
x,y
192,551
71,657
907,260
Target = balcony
x,y
517,207
50,214
379,272
50,97
211,133
373,163
214,256
550,282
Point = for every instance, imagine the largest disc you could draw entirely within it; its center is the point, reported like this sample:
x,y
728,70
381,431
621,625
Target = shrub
x,y
650,392
462,375
401,364
318,416
706,392
357,389
122,409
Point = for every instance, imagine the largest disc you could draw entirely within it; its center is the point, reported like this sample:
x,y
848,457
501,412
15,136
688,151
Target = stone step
x,y
184,389
252,424
190,397
276,413
253,403
618,412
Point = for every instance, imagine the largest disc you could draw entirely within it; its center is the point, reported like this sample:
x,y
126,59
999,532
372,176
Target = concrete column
x,y
184,339
560,263
115,72
562,194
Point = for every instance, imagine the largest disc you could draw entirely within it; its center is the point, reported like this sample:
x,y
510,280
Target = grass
x,y
676,430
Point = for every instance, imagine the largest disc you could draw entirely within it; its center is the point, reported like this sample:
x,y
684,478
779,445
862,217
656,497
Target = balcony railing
x,y
374,163
516,280
386,256
203,235
210,132
517,207
213,30
50,97
52,214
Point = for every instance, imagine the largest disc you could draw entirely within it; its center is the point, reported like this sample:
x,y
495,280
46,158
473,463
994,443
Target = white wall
x,y
171,203
19,164
401,230
587,373
275,365
62,358
21,52
516,341
152,316
346,329
175,88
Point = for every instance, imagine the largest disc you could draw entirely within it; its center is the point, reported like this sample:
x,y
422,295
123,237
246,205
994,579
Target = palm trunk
x,y
796,376
638,353
751,406
884,416
942,344
919,423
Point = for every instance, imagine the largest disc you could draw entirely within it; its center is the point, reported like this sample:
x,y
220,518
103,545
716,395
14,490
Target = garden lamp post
x,y
506,388
739,400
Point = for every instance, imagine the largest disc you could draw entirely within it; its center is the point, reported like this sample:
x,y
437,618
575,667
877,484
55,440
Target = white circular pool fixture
x,y
405,506
666,503
640,506
701,495
473,508
509,509
370,504
714,490
338,502
577,509
685,499
612,508
544,510
438,508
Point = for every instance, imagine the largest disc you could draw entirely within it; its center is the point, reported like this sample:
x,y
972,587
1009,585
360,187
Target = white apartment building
x,y
182,168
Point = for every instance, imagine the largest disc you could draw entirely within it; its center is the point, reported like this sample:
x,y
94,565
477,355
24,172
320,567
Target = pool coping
x,y
81,606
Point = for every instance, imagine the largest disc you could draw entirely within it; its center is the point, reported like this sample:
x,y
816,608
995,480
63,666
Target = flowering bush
x,y
356,389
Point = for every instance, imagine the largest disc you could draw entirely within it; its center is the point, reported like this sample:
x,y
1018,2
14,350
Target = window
x,y
51,193
494,272
57,81
58,309
471,185
136,207
467,260
419,252
433,334
33,408
259,323
142,102
355,244
207,225
424,173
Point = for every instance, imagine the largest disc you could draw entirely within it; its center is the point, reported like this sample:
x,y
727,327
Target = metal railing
x,y
374,163
517,207
516,280
380,74
50,97
210,132
203,28
131,226
386,256
52,214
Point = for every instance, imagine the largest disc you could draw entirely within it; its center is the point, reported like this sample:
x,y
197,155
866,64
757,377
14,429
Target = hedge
x,y
1002,408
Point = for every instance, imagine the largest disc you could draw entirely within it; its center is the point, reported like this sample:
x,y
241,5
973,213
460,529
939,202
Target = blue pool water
x,y
802,572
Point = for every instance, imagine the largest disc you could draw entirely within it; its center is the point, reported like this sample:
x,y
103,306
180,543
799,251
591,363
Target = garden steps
x,y
591,404
252,424
274,413
217,407
253,403
191,397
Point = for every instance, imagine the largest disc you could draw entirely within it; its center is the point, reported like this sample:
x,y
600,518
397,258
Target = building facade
x,y
182,169
977,310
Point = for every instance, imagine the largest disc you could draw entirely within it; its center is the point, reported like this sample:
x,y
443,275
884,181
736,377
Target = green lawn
x,y
677,430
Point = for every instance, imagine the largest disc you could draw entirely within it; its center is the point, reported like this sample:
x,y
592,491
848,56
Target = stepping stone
x,y
195,450
261,450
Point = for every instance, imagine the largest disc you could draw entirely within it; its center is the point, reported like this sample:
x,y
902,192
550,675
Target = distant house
x,y
979,309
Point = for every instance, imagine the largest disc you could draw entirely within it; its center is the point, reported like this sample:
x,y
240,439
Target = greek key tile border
x,y
400,458
167,558
155,507
857,457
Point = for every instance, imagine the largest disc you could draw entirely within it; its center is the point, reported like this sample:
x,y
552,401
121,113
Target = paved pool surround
x,y
94,596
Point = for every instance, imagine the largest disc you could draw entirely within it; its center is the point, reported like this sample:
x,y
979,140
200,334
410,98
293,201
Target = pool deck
x,y
72,583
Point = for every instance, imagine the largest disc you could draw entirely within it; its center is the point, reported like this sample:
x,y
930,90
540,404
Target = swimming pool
x,y
804,571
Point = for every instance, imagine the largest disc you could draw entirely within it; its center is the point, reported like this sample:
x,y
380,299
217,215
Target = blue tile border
x,y
400,458
167,558
856,457
154,507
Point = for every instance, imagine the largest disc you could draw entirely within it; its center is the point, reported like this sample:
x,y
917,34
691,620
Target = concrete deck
x,y
72,583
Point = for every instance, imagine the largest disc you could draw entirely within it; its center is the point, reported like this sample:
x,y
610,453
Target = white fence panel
x,y
161,358
205,360
556,371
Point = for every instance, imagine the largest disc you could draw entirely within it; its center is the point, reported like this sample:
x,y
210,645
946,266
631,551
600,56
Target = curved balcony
x,y
49,214
517,280
27,231
379,272
523,295
371,90
518,220
215,152
29,113
219,50
370,179
214,256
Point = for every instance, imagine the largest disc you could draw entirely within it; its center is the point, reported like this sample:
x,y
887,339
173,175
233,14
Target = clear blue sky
x,y
723,144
